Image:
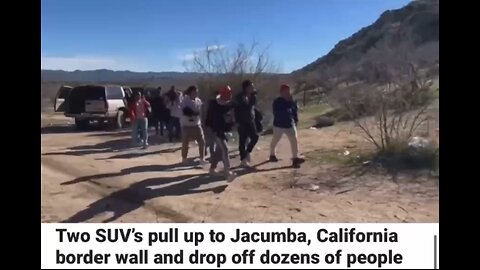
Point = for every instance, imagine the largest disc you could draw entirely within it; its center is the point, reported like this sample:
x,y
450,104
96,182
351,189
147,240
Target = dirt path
x,y
95,177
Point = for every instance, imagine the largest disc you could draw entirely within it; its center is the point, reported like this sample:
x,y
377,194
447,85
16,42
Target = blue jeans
x,y
140,131
174,123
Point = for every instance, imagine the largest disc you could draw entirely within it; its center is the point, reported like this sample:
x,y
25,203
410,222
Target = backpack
x,y
258,120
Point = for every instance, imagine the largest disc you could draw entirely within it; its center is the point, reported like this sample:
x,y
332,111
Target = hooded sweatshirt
x,y
284,113
220,117
245,109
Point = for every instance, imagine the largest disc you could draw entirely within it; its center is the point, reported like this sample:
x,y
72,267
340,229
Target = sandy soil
x,y
96,177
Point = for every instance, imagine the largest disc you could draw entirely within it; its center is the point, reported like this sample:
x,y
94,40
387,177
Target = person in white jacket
x,y
191,123
173,100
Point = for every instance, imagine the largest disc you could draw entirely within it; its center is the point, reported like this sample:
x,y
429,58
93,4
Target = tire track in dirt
x,y
101,190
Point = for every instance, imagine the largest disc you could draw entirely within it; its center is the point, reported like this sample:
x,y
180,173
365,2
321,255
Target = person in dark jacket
x,y
173,99
245,117
208,132
285,119
159,111
220,120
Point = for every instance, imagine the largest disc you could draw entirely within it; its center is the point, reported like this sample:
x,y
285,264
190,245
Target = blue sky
x,y
159,35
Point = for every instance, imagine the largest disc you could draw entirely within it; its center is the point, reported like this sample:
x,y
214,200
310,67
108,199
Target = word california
x,y
323,235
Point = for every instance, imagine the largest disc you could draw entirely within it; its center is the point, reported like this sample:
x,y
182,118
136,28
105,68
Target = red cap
x,y
284,87
225,91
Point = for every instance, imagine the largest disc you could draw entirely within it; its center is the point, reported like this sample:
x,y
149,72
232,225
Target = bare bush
x,y
389,115
220,66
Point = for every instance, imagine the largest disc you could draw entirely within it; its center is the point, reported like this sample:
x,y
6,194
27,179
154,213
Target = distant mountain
x,y
105,75
410,33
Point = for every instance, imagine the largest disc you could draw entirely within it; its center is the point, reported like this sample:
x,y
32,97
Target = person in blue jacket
x,y
285,119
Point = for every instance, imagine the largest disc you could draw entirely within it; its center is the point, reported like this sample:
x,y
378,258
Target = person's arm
x,y
131,111
208,115
147,103
236,109
148,108
295,113
276,107
189,112
252,99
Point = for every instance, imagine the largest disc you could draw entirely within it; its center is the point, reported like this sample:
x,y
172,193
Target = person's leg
x,y
155,124
212,137
292,137
211,147
185,140
207,132
253,136
277,135
144,128
200,138
161,122
178,128
135,132
242,138
222,146
170,129
215,157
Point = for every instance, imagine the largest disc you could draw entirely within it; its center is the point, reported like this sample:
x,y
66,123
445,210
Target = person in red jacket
x,y
139,110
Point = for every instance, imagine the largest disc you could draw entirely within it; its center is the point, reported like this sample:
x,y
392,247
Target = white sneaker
x,y
212,172
202,162
230,176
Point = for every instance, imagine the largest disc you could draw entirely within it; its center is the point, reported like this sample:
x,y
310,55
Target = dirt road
x,y
96,177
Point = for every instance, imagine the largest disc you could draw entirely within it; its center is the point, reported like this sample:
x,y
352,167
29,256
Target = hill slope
x,y
411,32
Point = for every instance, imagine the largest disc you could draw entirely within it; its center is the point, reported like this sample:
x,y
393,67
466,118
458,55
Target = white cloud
x,y
215,47
84,63
188,57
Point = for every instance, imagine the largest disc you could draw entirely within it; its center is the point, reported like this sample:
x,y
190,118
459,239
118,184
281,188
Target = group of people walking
x,y
188,119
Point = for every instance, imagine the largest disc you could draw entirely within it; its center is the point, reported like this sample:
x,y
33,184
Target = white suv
x,y
100,103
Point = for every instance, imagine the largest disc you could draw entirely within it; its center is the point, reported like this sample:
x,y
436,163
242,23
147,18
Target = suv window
x,y
64,91
114,92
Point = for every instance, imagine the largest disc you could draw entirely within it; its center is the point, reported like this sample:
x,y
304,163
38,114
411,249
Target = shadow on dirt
x,y
65,129
143,154
133,197
103,147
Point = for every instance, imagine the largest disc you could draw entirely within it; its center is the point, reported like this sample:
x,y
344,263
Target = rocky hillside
x,y
411,33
